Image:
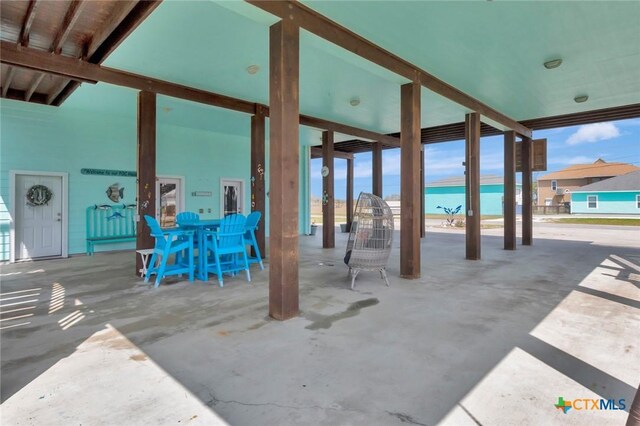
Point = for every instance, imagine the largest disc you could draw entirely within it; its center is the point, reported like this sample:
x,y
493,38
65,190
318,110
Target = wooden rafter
x,y
85,71
55,91
333,32
97,54
33,86
23,39
349,130
81,70
11,72
70,18
316,152
121,10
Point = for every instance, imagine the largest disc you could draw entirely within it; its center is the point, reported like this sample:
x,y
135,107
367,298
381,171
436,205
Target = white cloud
x,y
580,159
594,133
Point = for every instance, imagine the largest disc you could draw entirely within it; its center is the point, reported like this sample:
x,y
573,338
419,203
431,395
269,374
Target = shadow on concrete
x,y
431,339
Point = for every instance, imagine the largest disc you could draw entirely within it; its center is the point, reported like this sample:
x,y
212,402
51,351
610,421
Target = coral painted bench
x,y
107,224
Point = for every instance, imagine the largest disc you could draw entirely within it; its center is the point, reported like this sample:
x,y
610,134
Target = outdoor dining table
x,y
200,227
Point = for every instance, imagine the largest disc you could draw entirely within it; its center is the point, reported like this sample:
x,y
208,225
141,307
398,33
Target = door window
x,y
169,198
232,197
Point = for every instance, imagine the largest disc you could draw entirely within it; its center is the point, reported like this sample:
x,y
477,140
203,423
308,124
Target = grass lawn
x,y
598,221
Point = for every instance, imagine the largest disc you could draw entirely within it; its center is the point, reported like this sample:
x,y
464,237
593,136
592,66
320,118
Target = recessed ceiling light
x,y
252,69
355,101
580,99
554,63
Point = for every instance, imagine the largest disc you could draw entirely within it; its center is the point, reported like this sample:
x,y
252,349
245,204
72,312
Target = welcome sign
x,y
107,172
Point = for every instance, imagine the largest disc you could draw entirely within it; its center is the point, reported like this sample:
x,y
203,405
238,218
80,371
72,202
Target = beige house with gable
x,y
554,189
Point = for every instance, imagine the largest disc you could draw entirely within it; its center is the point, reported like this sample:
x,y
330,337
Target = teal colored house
x,y
450,193
616,195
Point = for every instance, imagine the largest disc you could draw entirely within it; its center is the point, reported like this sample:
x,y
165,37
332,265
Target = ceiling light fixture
x,y
580,99
252,69
355,101
554,63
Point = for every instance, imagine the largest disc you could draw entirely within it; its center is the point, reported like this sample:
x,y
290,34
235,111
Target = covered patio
x,y
131,95
503,333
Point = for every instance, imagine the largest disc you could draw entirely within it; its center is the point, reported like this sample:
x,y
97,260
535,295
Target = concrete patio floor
x,y
495,341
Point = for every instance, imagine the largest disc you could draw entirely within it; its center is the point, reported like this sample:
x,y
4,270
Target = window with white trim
x,y
554,185
592,201
638,201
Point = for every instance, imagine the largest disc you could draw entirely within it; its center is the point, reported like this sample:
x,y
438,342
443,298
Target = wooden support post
x,y
146,196
376,165
257,174
328,199
509,190
472,180
527,208
284,148
349,193
422,224
410,180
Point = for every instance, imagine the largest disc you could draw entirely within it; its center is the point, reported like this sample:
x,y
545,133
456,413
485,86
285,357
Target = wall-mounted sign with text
x,y
106,172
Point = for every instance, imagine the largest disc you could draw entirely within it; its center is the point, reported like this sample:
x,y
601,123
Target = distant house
x,y
617,195
450,193
554,189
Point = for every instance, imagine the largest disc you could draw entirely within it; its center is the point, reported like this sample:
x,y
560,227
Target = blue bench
x,y
107,224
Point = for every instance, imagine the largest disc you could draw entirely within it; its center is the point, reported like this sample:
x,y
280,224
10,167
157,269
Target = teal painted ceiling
x,y
494,51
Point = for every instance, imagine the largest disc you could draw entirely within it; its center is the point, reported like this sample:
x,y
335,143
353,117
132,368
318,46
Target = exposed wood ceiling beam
x,y
121,10
70,18
37,68
139,13
23,39
19,95
316,152
333,32
75,69
455,131
34,85
579,118
349,130
72,68
11,72
55,91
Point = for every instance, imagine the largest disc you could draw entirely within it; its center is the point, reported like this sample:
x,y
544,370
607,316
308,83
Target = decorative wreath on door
x,y
39,195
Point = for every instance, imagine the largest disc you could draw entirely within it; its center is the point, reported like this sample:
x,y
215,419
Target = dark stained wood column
x,y
284,149
257,173
146,195
472,180
376,172
328,198
509,190
410,180
349,193
422,224
527,208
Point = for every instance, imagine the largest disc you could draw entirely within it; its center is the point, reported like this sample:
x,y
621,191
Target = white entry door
x,y
169,200
38,225
231,196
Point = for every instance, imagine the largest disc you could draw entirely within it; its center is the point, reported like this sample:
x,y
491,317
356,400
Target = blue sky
x,y
617,141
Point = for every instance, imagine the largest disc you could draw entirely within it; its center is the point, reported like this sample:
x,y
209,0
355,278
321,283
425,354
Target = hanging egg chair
x,y
370,237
